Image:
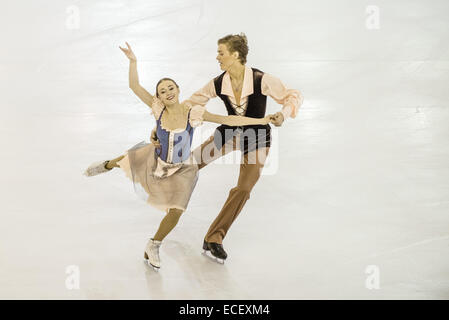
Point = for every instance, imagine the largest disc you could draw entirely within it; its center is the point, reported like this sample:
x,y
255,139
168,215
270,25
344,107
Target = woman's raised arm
x,y
140,91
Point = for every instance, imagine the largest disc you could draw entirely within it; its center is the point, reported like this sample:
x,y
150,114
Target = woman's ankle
x,y
109,165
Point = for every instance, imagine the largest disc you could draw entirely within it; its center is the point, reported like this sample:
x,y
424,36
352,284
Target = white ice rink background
x,y
356,205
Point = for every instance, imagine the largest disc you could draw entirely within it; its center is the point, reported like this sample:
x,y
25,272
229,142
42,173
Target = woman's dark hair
x,y
163,79
236,42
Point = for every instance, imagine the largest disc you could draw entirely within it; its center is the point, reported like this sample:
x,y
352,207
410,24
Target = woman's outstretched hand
x,y
128,52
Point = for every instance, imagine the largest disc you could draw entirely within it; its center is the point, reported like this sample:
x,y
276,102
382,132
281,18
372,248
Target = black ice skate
x,y
216,250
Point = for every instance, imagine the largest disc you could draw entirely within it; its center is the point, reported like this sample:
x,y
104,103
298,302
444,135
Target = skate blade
x,y
148,263
211,257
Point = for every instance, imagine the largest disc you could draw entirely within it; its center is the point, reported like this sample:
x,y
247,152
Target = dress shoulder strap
x,y
160,116
188,120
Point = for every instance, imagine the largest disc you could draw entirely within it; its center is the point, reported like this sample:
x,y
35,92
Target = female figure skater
x,y
166,172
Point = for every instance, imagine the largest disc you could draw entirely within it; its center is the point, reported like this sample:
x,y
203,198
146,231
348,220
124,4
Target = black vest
x,y
254,136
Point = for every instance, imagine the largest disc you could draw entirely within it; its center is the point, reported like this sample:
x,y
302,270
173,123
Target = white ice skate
x,y
151,254
96,168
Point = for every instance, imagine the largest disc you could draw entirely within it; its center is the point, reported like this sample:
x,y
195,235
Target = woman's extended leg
x,y
168,223
102,166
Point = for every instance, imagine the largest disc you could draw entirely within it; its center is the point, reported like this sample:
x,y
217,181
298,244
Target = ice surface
x,y
362,174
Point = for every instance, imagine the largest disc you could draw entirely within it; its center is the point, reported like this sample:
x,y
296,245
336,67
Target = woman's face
x,y
168,92
225,58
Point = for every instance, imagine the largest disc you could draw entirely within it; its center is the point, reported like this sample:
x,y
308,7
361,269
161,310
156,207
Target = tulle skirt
x,y
160,184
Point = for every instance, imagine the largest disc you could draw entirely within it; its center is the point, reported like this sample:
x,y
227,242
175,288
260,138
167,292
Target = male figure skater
x,y
244,92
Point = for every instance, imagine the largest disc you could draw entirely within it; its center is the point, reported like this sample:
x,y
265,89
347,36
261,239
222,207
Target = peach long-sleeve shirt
x,y
291,99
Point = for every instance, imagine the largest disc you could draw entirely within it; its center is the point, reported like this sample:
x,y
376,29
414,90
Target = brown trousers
x,y
251,166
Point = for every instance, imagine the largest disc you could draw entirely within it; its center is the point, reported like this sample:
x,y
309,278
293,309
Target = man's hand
x,y
154,140
277,119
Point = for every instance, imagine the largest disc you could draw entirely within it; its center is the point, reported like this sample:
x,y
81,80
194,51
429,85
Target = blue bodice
x,y
175,146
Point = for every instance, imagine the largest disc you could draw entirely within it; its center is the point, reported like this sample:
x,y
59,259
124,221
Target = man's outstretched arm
x,y
203,95
291,99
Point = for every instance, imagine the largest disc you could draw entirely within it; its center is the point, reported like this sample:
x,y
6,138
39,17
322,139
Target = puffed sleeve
x,y
196,115
157,107
203,95
291,99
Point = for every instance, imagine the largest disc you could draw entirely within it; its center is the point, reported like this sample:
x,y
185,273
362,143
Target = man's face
x,y
225,58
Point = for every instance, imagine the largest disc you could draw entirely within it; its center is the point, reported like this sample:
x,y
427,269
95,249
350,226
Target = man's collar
x,y
248,84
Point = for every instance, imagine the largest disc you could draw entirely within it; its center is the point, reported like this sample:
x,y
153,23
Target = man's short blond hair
x,y
236,42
